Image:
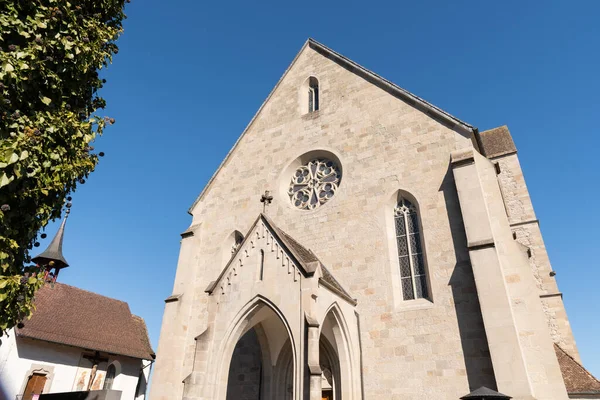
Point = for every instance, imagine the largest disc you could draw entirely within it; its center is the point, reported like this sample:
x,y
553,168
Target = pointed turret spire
x,y
53,256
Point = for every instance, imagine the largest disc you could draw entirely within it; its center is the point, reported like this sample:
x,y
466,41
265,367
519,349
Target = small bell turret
x,y
52,259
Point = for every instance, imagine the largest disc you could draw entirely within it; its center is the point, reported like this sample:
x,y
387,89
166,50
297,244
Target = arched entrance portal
x,y
261,366
330,365
335,358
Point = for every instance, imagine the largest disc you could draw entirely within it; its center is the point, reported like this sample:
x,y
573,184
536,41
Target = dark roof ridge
x,y
295,248
329,281
310,42
392,85
327,278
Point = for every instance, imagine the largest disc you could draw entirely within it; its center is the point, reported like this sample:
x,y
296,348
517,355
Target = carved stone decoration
x,y
314,183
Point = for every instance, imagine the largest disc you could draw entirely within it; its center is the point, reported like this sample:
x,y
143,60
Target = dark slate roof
x,y
71,316
497,142
54,251
485,393
329,281
577,379
310,261
307,260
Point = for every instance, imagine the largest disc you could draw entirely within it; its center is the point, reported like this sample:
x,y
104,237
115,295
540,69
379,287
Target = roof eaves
x,y
93,347
145,339
596,393
340,293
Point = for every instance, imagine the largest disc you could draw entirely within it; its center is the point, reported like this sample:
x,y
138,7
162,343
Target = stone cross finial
x,y
266,199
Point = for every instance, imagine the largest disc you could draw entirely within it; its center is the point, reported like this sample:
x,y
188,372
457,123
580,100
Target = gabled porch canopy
x,y
304,322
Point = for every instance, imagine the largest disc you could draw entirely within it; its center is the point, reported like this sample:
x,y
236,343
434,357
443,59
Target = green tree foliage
x,y
50,56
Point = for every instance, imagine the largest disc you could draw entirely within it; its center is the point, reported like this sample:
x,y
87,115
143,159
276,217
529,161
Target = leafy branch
x,y
51,52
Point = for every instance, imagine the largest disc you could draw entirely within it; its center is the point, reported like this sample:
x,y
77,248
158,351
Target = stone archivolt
x,y
274,286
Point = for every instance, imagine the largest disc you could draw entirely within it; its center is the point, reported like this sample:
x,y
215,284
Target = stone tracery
x,y
314,183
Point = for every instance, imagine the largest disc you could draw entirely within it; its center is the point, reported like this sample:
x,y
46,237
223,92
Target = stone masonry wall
x,y
411,350
526,230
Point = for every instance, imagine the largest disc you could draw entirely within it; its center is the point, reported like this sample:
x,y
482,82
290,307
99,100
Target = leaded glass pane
x,y
405,267
418,264
412,222
415,243
407,289
400,227
310,101
402,246
421,285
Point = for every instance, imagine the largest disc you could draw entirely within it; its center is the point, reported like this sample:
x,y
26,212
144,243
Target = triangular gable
x,y
377,80
305,259
306,264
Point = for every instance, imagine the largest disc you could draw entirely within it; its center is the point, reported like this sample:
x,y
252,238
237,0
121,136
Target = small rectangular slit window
x,y
262,265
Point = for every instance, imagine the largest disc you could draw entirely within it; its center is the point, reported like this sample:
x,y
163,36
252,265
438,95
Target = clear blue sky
x,y
191,74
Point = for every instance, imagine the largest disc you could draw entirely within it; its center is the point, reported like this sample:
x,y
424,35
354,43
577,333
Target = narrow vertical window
x,y
111,371
311,85
313,95
410,252
262,265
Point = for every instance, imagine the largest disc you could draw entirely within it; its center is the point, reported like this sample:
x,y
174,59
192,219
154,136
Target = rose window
x,y
314,183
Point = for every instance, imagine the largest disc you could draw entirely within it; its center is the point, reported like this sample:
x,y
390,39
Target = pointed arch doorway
x,y
266,313
336,361
330,367
262,363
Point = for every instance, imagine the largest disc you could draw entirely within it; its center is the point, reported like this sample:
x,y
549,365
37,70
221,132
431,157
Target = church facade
x,y
394,253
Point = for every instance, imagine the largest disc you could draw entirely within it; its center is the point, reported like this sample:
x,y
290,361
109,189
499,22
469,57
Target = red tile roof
x,y
577,379
75,317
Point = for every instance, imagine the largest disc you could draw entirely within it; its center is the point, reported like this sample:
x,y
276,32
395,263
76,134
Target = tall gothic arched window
x,y
111,371
413,277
